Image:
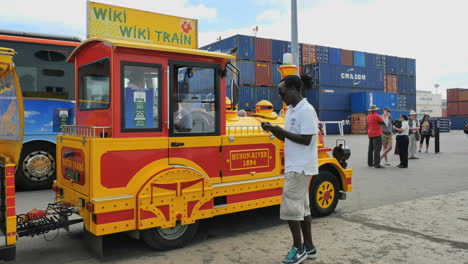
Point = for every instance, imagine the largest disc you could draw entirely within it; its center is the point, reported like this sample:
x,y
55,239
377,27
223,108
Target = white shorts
x,y
295,199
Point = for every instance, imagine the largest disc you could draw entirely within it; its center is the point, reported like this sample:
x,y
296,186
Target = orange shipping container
x,y
391,84
358,123
308,54
347,57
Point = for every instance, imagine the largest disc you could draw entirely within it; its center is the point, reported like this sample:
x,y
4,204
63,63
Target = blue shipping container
x,y
335,116
401,66
275,99
402,83
371,60
401,102
347,76
359,59
458,122
246,98
396,114
334,56
381,62
411,85
391,65
321,54
411,102
411,67
276,74
262,93
279,47
361,102
247,72
330,98
245,46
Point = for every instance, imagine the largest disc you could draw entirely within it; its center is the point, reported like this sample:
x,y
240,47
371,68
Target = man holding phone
x,y
301,162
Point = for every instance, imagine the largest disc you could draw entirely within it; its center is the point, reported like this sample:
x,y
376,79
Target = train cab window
x,y
194,94
94,85
141,101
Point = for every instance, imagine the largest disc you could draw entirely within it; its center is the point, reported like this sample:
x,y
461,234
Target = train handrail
x,y
85,131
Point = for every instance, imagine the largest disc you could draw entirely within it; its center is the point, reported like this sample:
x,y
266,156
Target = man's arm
x,y
282,134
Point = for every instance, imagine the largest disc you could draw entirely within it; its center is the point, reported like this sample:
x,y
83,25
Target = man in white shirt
x,y
301,162
402,141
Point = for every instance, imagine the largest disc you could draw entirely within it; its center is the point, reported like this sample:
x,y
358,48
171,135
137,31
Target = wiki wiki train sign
x,y
130,24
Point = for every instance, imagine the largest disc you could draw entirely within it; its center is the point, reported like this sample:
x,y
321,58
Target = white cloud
x,y
269,15
28,114
430,33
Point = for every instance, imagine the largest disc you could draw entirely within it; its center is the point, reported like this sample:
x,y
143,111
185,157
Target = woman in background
x,y
425,130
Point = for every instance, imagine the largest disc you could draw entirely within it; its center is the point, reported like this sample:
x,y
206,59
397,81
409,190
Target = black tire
x,y
154,237
41,176
326,181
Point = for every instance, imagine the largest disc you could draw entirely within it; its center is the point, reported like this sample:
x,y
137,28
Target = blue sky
x,y
429,31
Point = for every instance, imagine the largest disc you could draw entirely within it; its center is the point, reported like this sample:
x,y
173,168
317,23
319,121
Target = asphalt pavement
x,y
393,215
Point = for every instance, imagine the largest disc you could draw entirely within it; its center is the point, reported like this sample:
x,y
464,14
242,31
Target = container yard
x,y
347,82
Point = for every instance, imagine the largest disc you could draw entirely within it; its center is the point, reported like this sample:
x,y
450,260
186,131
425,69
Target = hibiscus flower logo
x,y
186,27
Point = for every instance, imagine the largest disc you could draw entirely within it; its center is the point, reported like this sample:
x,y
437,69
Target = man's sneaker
x,y
295,256
311,253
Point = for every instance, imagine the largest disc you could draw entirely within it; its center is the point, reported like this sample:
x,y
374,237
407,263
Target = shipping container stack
x,y
457,107
257,60
346,82
428,104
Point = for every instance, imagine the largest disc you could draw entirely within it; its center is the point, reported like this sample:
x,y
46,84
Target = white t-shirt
x,y
405,126
301,120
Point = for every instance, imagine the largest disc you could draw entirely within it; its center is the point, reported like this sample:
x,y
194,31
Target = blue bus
x,y
47,84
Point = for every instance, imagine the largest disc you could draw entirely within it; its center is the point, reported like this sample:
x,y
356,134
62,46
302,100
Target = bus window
x,y
141,105
40,66
194,101
93,85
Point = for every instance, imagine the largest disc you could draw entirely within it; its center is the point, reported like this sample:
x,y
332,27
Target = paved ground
x,y
414,215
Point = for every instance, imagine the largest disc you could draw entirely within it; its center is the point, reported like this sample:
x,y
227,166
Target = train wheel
x,y
170,238
323,193
37,166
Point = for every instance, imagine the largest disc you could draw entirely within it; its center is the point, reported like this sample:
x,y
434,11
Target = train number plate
x,y
72,175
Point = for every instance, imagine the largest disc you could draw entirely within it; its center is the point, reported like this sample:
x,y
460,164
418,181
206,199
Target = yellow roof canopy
x,y
150,46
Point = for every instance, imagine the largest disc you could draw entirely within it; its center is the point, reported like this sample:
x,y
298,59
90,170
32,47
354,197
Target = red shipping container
x,y
309,55
263,49
347,57
457,108
453,95
263,74
463,95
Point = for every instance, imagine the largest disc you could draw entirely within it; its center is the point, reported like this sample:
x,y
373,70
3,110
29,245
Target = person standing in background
x,y
425,128
387,134
413,136
374,131
402,141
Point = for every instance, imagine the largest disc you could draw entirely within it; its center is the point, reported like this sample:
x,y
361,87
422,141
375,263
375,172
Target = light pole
x,y
436,85
294,42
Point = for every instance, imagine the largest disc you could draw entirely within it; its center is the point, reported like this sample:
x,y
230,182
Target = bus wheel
x,y
169,238
36,169
323,193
